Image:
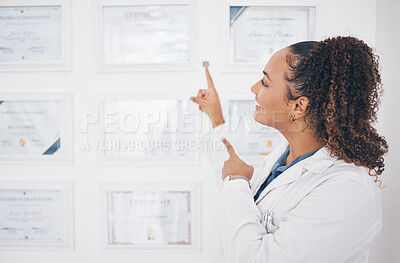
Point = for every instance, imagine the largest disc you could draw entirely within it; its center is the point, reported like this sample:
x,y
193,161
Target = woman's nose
x,y
255,88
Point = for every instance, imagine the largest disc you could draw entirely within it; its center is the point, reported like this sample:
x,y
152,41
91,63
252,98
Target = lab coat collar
x,y
317,163
320,161
267,166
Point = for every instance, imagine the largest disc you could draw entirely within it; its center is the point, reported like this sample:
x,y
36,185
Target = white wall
x,y
357,17
386,246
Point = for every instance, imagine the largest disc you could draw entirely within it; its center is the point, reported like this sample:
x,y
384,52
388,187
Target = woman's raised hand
x,y
234,165
208,102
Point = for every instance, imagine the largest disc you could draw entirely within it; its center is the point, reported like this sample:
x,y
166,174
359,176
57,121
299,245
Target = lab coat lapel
x,y
286,177
317,163
266,169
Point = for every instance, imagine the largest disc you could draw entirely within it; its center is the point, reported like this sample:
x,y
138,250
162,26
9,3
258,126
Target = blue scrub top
x,y
279,167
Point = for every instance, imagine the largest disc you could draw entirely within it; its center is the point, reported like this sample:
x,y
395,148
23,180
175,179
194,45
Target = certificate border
x,y
151,161
66,186
66,128
245,97
195,202
193,34
224,36
65,64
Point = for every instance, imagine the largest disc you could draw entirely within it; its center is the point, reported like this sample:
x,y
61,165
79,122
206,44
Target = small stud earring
x,y
292,119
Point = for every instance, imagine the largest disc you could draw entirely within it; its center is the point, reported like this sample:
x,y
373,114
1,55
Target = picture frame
x,y
36,215
151,226
36,35
26,134
166,33
273,27
144,129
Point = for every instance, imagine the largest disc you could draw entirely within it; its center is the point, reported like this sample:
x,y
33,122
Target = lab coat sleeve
x,y
217,152
330,224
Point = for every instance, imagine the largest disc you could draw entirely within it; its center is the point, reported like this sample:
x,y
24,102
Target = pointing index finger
x,y
209,79
229,147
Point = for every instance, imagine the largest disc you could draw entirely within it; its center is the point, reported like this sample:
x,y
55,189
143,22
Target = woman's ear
x,y
301,105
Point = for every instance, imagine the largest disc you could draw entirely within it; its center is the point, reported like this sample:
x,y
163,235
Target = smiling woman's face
x,y
270,91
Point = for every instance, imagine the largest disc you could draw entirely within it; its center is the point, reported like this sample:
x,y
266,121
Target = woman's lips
x,y
258,107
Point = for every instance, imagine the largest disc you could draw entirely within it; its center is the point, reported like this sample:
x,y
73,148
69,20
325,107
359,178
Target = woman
x,y
316,198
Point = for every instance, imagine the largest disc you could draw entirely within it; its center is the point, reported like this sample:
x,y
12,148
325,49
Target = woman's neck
x,y
301,143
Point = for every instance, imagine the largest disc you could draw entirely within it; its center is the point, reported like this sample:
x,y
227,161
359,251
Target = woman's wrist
x,y
234,177
216,121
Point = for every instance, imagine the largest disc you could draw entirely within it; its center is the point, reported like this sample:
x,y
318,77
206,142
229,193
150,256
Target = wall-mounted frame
x,y
252,31
147,130
251,140
36,215
35,35
35,128
147,35
149,217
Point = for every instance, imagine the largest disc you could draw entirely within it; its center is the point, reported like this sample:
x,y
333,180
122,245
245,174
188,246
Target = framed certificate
x,y
36,215
35,35
143,130
251,140
151,216
143,35
253,33
35,128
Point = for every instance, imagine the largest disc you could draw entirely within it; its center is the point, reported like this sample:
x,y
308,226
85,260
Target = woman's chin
x,y
259,120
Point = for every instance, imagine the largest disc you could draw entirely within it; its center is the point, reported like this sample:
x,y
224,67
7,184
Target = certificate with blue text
x,y
30,34
33,129
257,32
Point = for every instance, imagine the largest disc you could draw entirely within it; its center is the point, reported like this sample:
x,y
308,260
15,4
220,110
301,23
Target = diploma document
x,y
149,218
153,34
30,34
148,129
32,216
258,32
30,128
250,137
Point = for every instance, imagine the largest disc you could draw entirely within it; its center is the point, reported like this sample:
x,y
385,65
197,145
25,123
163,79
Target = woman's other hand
x,y
208,102
234,165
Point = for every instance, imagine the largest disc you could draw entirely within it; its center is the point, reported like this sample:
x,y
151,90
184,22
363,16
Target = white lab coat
x,y
321,210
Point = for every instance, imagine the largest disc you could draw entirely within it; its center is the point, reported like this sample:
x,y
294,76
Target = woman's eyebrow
x,y
266,74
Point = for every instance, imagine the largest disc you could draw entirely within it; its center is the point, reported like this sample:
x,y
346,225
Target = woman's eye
x,y
263,83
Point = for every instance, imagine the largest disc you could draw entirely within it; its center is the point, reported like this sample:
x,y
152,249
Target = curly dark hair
x,y
340,77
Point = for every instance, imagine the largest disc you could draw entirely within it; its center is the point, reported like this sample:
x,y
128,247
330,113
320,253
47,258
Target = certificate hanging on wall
x,y
35,128
36,215
147,36
250,139
34,36
257,32
153,216
148,132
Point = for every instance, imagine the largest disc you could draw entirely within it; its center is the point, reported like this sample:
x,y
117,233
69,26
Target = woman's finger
x,y
229,147
202,93
209,79
198,100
